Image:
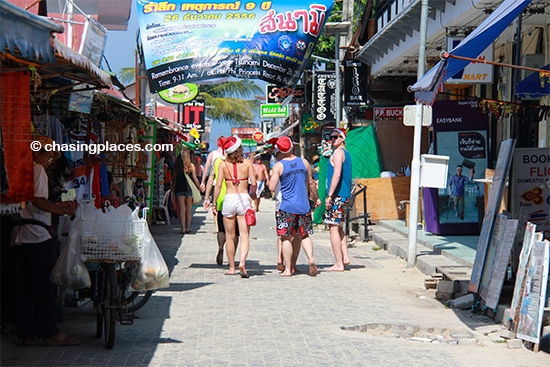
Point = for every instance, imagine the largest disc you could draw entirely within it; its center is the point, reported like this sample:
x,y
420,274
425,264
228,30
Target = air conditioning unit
x,y
531,61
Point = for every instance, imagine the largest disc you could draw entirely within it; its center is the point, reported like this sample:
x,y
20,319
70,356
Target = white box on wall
x,y
433,170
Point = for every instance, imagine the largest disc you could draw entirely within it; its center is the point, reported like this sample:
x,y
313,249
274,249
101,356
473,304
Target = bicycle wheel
x,y
136,300
110,300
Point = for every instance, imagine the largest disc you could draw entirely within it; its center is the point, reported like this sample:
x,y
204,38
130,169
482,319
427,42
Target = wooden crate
x,y
383,196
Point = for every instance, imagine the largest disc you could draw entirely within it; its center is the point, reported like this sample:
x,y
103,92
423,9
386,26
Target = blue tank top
x,y
294,192
344,186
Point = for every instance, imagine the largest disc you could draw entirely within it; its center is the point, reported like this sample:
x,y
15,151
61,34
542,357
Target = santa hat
x,y
340,132
284,144
220,141
231,144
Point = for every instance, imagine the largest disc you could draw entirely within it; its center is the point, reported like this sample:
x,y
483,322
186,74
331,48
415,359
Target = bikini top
x,y
236,180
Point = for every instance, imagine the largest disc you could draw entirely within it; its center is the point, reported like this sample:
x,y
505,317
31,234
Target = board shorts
x,y
293,224
337,212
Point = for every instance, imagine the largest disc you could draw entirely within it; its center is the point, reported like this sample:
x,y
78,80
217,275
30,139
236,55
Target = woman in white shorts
x,y
237,173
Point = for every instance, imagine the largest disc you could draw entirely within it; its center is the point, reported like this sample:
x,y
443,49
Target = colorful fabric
x,y
337,212
289,224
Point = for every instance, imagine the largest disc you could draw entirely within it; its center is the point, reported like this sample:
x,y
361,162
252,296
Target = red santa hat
x,y
340,132
284,144
231,144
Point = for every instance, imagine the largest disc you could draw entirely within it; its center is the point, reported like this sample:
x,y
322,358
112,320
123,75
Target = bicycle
x,y
116,247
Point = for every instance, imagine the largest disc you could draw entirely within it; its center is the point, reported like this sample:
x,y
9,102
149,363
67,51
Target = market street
x,y
207,318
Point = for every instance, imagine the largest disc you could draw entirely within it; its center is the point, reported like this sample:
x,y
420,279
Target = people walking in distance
x,y
456,185
338,198
294,222
217,208
218,152
262,175
236,172
183,177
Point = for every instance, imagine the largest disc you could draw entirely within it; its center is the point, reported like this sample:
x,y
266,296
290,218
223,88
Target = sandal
x,y
61,339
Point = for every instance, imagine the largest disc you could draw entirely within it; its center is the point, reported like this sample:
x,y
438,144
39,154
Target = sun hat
x,y
340,132
231,144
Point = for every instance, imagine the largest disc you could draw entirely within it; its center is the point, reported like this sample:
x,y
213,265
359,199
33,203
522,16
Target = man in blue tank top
x,y
293,217
338,200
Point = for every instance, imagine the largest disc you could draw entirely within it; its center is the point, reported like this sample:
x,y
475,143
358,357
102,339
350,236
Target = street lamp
x,y
337,29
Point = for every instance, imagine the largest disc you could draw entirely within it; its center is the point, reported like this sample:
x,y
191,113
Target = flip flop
x,y
61,340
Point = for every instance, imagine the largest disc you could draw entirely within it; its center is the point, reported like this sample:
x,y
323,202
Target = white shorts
x,y
260,188
232,204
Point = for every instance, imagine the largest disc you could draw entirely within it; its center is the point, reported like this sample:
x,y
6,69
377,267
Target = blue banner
x,y
191,41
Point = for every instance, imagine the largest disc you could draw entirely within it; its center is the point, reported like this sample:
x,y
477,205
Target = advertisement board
x,y
323,102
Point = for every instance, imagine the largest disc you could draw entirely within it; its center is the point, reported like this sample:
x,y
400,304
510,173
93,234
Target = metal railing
x,y
357,190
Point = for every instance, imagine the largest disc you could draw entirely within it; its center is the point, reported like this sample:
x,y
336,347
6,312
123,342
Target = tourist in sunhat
x,y
338,199
237,173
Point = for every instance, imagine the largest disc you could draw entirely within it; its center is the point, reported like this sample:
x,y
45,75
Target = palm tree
x,y
228,101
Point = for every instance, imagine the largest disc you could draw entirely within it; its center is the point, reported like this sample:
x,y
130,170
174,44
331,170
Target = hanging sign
x,y
323,105
355,83
273,110
180,93
276,94
193,116
191,41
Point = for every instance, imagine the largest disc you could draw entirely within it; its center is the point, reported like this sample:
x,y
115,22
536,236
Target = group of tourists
x,y
236,185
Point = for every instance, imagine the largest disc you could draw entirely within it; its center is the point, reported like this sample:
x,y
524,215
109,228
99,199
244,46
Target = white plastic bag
x,y
152,272
69,270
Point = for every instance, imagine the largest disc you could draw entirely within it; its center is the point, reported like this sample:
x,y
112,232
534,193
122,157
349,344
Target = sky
x,y
120,53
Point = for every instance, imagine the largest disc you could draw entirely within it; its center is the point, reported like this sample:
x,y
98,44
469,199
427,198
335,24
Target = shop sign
x,y
323,106
194,116
93,42
355,83
180,93
276,94
473,73
273,110
258,136
388,113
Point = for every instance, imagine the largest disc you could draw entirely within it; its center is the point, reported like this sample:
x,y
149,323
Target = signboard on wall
x,y
194,115
473,73
323,103
276,94
355,83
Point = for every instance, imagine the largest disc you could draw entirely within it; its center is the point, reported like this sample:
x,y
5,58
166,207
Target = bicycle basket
x,y
114,240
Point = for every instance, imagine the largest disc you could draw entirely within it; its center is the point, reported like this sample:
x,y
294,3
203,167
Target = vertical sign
x,y
495,196
323,106
496,241
355,83
534,294
500,264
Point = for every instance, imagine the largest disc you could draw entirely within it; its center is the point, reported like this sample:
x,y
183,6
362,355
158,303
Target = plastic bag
x,y
152,272
69,270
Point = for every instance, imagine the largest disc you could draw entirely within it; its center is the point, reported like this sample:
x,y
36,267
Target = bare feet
x,y
219,257
346,263
243,272
334,268
230,272
285,274
280,267
313,270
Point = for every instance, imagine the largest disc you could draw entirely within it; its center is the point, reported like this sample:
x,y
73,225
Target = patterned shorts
x,y
337,212
293,224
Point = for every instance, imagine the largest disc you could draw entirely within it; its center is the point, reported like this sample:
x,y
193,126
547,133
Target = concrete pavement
x,y
376,314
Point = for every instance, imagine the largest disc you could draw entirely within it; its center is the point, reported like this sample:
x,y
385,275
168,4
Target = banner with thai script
x,y
191,41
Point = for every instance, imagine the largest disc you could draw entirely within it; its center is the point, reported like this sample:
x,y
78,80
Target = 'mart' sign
x,y
191,41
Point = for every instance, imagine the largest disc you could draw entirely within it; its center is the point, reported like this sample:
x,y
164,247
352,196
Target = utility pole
x,y
415,163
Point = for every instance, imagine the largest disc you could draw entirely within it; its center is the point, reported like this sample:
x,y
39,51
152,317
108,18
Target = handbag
x,y
250,214
197,197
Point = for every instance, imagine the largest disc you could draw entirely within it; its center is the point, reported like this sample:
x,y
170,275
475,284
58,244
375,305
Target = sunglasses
x,y
334,137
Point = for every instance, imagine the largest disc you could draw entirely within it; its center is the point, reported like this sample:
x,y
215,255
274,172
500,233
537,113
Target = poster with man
x,y
191,41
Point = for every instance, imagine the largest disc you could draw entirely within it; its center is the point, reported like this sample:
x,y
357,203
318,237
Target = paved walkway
x,y
362,317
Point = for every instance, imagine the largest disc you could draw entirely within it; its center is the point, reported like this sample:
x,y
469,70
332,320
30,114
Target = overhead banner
x,y
355,83
323,102
191,41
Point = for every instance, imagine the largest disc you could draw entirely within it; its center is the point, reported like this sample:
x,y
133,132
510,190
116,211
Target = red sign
x,y
258,136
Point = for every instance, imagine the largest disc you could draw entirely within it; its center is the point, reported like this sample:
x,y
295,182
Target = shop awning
x,y
536,85
427,87
26,35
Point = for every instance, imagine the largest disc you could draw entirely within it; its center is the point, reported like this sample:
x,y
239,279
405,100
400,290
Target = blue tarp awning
x,y
536,85
26,34
472,46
